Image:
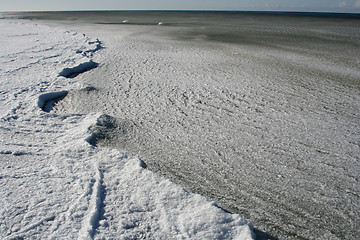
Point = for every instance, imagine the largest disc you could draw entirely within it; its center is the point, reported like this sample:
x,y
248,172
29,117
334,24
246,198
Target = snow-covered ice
x,y
258,112
53,183
267,127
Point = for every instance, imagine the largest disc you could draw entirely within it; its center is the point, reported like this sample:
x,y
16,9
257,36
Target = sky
x,y
245,5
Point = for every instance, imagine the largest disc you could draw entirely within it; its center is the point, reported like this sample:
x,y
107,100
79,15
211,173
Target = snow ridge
x,y
98,45
19,234
91,221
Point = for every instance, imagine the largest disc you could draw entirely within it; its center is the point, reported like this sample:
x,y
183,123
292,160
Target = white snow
x,y
53,183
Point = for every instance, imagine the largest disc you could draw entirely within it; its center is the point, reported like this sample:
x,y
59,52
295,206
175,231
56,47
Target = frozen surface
x,y
53,183
265,122
260,114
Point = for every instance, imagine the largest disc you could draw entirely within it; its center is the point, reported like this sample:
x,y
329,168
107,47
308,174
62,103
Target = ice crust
x,y
53,183
260,115
267,125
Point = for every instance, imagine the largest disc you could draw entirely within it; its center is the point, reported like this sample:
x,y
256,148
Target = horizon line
x,y
181,10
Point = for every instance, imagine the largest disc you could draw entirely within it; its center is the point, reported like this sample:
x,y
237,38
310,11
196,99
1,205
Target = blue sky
x,y
259,5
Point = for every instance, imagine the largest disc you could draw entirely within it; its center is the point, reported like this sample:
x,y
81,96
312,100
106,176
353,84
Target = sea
x,y
258,111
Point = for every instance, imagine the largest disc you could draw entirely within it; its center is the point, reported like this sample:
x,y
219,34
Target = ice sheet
x,y
53,183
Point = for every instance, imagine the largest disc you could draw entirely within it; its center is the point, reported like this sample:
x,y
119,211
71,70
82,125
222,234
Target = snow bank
x,y
152,202
61,186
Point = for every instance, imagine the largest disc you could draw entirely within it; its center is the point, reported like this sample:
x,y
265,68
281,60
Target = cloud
x,y
343,4
357,4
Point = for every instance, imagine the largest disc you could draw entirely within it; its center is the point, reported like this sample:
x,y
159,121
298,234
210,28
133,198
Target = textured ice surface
x,y
54,184
264,121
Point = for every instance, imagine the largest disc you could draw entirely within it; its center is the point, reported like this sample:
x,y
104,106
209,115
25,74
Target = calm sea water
x,y
271,132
